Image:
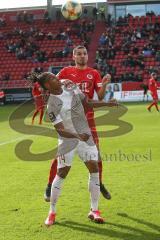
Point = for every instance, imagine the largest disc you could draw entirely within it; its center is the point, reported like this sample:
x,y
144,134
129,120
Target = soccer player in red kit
x,y
152,85
37,93
89,80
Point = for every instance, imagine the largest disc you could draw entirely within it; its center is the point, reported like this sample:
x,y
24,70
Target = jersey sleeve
x,y
97,81
54,117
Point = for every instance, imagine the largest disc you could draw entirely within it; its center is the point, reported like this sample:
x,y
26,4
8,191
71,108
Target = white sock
x,y
55,192
94,189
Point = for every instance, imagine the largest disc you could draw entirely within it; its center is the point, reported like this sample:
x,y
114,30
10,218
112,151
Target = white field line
x,y
20,138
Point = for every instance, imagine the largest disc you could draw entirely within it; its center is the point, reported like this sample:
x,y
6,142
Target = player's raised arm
x,y
102,91
96,104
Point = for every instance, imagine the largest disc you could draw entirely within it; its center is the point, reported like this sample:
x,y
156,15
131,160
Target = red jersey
x,y
37,90
88,79
37,93
152,85
1,94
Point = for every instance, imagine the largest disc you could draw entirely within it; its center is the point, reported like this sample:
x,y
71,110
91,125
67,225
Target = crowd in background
x,y
109,47
26,44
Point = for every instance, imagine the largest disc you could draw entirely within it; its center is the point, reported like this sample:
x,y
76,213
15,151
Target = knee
x,y
94,167
62,172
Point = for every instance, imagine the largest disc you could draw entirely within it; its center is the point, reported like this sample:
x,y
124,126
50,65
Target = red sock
x,y
156,105
53,171
41,116
100,170
34,115
151,105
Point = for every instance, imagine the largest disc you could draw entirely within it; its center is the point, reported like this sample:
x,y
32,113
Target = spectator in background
x,y
66,51
19,17
158,56
135,50
2,21
38,70
6,77
109,17
58,14
85,12
129,61
102,12
26,75
91,26
40,56
46,17
69,42
27,17
20,53
138,77
103,39
138,34
95,13
50,36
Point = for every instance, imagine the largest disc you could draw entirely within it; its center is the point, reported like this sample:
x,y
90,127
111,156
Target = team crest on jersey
x,y
89,76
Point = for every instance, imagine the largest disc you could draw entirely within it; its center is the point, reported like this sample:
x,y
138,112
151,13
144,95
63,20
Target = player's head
x,y
154,75
47,81
80,56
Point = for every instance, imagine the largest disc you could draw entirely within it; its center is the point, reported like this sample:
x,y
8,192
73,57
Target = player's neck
x,y
57,92
81,67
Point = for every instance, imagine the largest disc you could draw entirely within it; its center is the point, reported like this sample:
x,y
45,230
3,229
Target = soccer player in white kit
x,y
66,111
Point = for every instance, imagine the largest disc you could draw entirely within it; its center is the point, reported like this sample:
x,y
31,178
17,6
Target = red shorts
x,y
91,123
154,96
39,102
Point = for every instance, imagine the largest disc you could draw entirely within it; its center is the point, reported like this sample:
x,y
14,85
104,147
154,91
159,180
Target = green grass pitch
x,y
132,214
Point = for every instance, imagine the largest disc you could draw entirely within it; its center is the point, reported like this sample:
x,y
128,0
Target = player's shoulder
x,y
93,71
68,68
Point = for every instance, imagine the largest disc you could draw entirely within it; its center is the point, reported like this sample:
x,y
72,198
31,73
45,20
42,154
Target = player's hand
x,y
106,79
68,84
84,137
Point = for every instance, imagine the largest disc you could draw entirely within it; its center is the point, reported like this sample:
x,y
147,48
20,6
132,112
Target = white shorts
x,y
84,151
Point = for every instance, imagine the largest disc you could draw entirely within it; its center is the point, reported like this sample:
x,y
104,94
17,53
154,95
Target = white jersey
x,y
68,109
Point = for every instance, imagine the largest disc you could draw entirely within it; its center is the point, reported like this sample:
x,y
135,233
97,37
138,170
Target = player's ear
x,y
73,57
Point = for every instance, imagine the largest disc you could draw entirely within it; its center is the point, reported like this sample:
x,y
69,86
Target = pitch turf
x,y
132,214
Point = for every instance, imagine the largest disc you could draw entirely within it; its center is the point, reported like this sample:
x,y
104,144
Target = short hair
x,y
79,47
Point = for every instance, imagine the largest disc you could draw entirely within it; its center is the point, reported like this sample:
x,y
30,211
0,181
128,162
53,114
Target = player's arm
x,y
90,103
68,134
101,85
96,104
57,121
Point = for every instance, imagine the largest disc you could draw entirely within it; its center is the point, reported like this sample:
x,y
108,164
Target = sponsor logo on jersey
x,y
89,76
73,75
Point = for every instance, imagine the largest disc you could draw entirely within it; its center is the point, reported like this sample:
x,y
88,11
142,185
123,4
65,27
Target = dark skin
x,y
55,87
